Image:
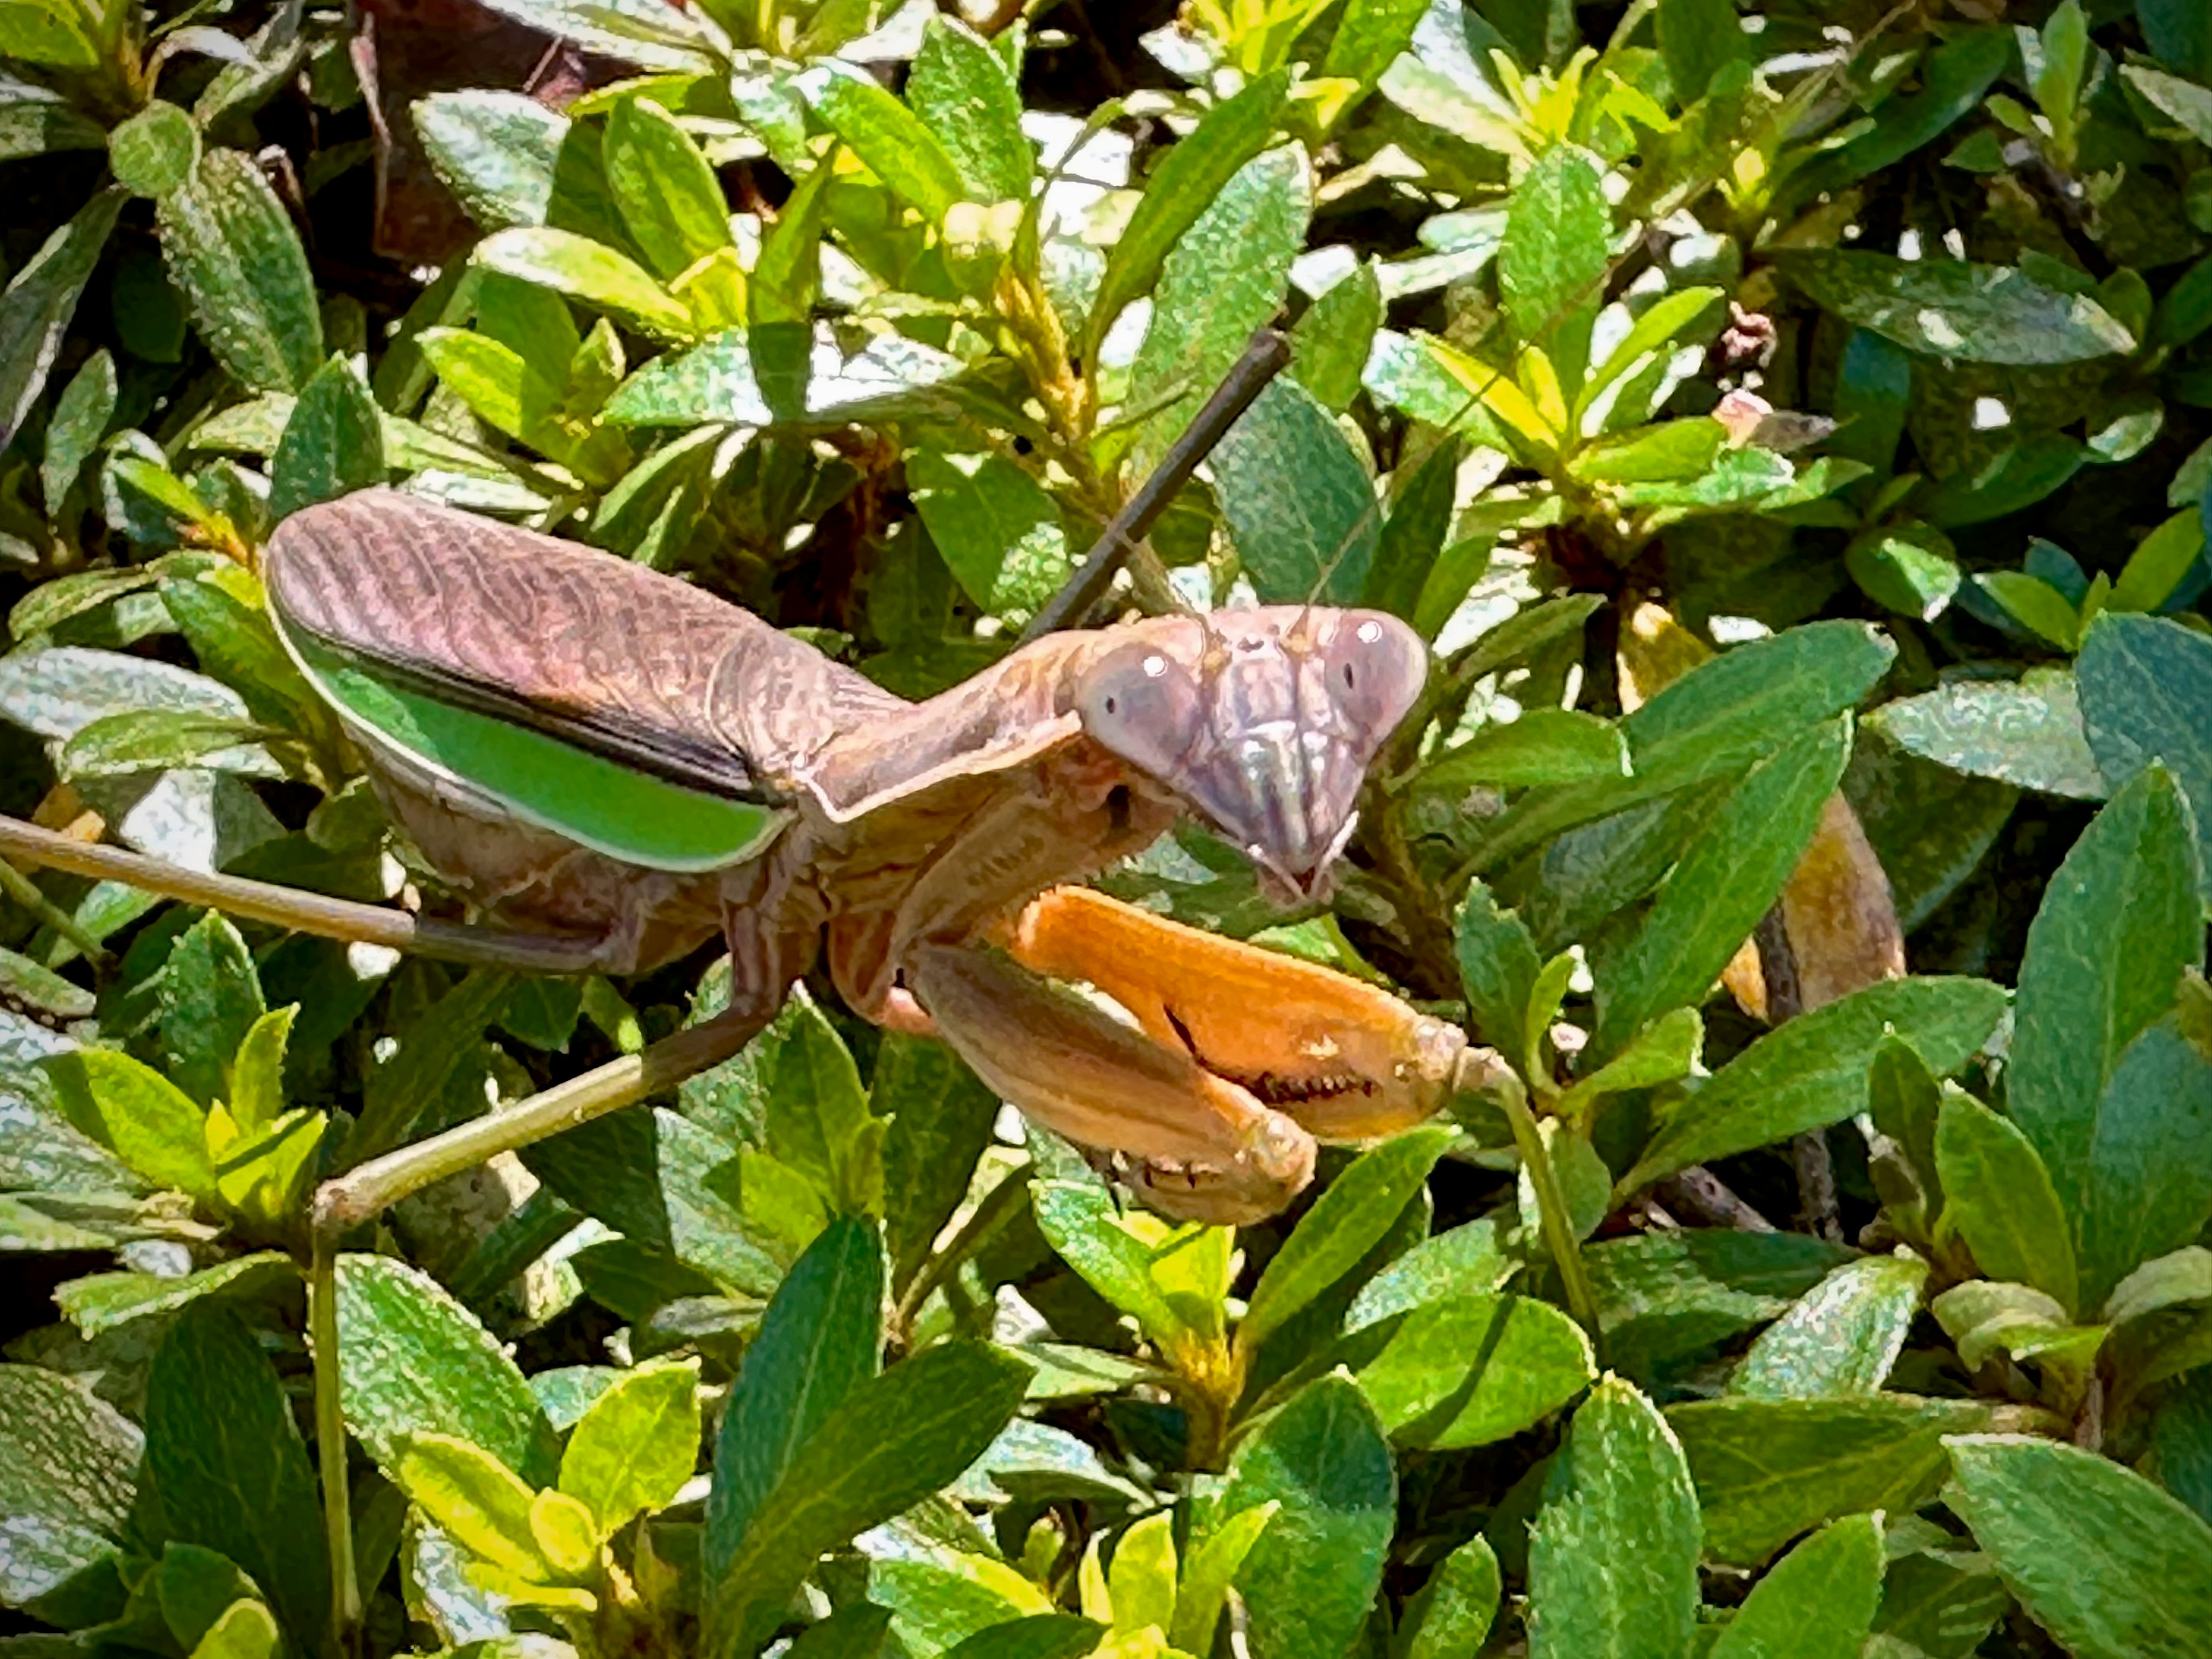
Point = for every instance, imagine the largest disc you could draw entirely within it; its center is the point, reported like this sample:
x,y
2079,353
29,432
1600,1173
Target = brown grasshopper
x,y
801,810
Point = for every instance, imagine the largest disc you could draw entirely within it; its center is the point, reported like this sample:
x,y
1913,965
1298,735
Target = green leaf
x,y
1498,968
68,1477
1225,277
80,420
2147,1188
411,1360
1214,1563
589,273
2108,1564
1842,1336
48,32
478,1501
2159,562
893,141
818,1347
1951,309
998,531
942,1117
1357,1209
1035,1636
965,96
231,249
443,1043
2185,101
1232,133
1472,1370
1717,720
38,127
1912,568
636,1446
1452,1613
1330,345
155,150
1078,1221
2147,694
1725,881
247,1630
896,1439
1664,1297
1552,268
498,152
818,1121
1613,1558
1310,1581
40,299
1816,1602
138,1115
1697,38
1999,1197
2027,733
1768,1469
2035,604
2117,926
1543,745
1953,79
1298,503
196,1587
332,446
669,198
209,996
257,1074
1141,1581
1812,1071
102,1302
225,1453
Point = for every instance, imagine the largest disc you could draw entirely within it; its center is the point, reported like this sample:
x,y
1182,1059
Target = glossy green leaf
x,y
1999,1197
52,32
498,152
1224,276
637,1445
1330,345
1715,721
1768,1469
1472,1370
1310,1579
818,1121
1840,1338
332,446
964,94
232,250
411,1360
1714,896
80,420
475,1499
38,302
2147,693
1297,500
1552,269
1215,1561
2028,732
101,1302
942,1117
40,127
818,1347
997,528
155,150
1193,174
893,141
896,1439
1912,568
234,1474
247,1630
1697,38
1543,745
209,996
135,1112
1613,1558
2108,1564
68,1475
589,273
669,197
1078,1221
1951,309
1452,1613
1813,1071
1816,1602
1953,79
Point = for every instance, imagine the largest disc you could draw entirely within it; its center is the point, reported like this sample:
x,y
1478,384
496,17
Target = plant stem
x,y
997,1206
361,1192
1551,1206
285,907
25,891
331,1444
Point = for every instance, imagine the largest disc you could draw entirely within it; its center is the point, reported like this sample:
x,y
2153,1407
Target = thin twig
x,y
1262,361
1701,1195
330,1445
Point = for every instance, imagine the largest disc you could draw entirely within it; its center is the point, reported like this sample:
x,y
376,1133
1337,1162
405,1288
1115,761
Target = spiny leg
x,y
1346,1061
1198,1147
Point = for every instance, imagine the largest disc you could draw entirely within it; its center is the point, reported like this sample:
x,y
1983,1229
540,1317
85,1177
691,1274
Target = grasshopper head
x,y
1263,722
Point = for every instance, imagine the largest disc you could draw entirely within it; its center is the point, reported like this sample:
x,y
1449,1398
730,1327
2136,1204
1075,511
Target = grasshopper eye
x,y
1143,706
1376,665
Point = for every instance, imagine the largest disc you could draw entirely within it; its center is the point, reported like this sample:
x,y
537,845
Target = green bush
x,y
1787,428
